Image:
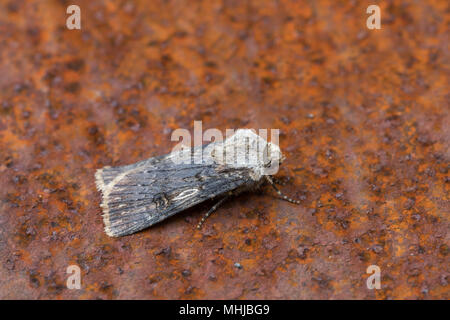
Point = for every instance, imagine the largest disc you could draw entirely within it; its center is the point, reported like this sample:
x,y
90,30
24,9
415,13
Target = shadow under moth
x,y
139,195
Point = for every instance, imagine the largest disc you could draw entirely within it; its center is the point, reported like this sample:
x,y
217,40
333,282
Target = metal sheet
x,y
364,120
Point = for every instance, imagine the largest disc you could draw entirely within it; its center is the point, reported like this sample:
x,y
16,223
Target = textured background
x,y
365,124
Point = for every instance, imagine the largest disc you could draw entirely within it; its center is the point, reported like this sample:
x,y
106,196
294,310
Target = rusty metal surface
x,y
364,117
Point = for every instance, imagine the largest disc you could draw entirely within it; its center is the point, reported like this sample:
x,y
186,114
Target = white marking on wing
x,y
186,194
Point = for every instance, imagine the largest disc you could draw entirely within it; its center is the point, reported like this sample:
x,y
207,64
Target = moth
x,y
140,195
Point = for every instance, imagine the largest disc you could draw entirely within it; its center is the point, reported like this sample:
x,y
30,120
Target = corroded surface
x,y
364,117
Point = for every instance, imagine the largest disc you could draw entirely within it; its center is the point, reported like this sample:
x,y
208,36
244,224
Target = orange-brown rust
x,y
364,121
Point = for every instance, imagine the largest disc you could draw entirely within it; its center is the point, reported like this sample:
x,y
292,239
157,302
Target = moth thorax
x,y
245,149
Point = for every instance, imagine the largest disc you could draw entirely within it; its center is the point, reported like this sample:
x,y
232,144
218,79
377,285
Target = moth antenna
x,y
214,207
284,197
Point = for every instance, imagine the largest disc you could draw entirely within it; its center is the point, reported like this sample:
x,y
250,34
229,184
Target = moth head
x,y
273,155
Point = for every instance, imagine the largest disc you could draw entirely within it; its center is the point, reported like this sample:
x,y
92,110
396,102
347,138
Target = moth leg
x,y
278,181
284,197
214,207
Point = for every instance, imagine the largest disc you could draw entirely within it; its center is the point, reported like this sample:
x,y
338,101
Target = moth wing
x,y
137,196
